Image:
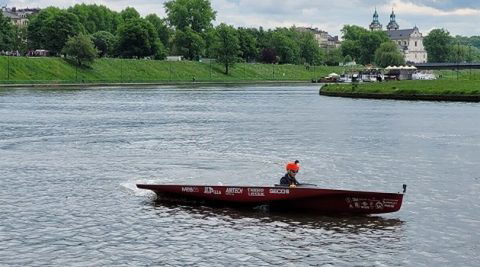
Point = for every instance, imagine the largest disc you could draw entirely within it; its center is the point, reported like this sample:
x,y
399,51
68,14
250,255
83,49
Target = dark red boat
x,y
305,198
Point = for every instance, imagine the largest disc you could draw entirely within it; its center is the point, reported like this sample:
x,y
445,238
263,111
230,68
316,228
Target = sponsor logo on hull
x,y
370,204
280,191
256,192
233,191
190,189
210,190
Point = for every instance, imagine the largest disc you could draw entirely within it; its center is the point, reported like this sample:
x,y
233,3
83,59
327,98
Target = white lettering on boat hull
x,y
233,191
190,189
256,192
280,191
210,190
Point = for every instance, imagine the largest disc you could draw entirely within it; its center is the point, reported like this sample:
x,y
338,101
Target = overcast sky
x,y
457,16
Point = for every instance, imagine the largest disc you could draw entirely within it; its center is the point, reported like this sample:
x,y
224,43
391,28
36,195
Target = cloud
x,y
424,10
455,15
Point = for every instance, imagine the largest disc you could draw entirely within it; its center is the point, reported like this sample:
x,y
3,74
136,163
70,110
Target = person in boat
x,y
289,178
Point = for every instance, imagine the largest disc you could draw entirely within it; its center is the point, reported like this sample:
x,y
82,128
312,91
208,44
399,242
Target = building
x,y
375,25
19,17
324,39
409,41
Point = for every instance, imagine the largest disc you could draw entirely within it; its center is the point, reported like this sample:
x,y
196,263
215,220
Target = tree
x,y
81,49
129,13
194,14
353,32
269,55
137,38
36,27
160,26
226,46
248,44
95,18
361,44
51,28
159,51
189,44
104,42
438,44
59,28
19,38
461,53
286,47
347,59
369,43
7,33
388,55
351,48
310,51
333,57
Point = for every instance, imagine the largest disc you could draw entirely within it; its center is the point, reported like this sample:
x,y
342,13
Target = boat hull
x,y
304,199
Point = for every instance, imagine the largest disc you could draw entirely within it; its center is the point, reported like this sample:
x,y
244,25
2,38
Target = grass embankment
x,y
466,88
16,70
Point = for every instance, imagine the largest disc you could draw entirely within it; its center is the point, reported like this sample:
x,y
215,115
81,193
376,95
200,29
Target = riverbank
x,y
35,71
437,90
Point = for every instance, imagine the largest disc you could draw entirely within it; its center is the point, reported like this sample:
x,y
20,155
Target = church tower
x,y
392,25
375,25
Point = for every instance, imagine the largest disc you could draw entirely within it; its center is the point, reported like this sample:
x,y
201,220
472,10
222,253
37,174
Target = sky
x,y
459,17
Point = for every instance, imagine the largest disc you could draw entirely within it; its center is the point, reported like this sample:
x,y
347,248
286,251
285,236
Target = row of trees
x,y
442,47
187,30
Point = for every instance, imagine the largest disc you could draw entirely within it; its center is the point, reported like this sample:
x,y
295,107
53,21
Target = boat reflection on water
x,y
336,223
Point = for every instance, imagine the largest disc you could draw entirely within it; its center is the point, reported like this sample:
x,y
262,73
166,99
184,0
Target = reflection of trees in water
x,y
337,224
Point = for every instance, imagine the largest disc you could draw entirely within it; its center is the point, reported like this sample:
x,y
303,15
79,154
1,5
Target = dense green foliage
x,y
442,47
104,42
438,44
361,44
137,38
194,14
81,49
186,30
51,28
469,41
95,18
7,33
160,26
388,55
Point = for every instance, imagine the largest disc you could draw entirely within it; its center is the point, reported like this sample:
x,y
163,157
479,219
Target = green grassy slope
x,y
57,70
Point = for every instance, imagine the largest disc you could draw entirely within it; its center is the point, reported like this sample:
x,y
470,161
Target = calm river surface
x,y
70,159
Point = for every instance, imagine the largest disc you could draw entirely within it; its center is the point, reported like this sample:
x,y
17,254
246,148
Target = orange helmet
x,y
293,166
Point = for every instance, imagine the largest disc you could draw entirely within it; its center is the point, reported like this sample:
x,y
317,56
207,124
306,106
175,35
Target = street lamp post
x,y
121,70
8,67
458,57
273,71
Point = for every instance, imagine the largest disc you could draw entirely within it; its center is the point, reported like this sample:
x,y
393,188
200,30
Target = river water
x,y
70,159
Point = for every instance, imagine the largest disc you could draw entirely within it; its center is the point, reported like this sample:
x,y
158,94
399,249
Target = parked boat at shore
x,y
304,198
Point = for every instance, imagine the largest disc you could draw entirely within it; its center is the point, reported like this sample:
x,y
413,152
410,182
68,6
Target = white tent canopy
x,y
401,68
